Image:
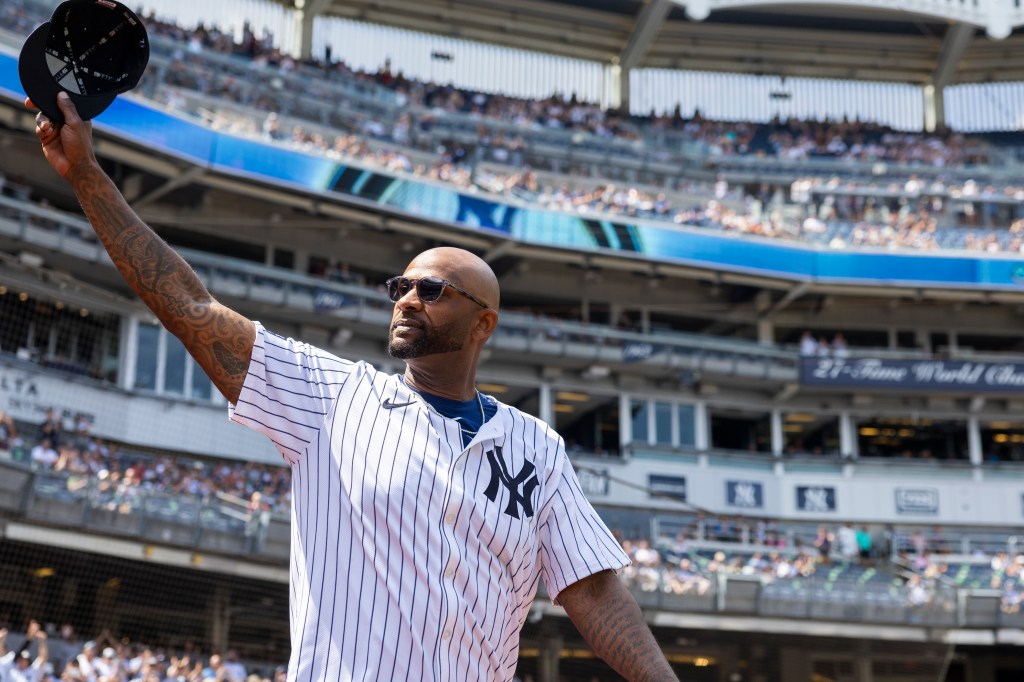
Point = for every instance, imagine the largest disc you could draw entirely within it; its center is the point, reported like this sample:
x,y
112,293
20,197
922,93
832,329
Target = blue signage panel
x,y
744,494
917,501
957,376
325,300
638,351
816,498
670,486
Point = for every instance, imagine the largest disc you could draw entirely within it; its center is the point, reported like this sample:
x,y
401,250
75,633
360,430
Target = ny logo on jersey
x,y
500,474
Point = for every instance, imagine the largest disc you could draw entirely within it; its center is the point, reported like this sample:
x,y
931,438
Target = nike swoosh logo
x,y
388,405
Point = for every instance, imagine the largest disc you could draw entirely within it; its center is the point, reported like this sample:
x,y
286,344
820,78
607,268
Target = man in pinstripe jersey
x,y
424,513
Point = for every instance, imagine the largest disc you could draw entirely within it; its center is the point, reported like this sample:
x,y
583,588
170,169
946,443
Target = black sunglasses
x,y
429,289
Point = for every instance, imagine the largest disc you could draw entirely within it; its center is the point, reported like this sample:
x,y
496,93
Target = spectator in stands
x,y
18,666
864,544
236,671
91,666
52,427
43,455
8,431
839,347
808,346
215,669
918,594
847,540
824,347
919,543
823,542
112,665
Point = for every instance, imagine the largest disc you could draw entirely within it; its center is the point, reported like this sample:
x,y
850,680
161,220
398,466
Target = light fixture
x,y
492,388
572,397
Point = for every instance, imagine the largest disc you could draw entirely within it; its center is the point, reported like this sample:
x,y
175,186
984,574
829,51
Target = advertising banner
x,y
959,376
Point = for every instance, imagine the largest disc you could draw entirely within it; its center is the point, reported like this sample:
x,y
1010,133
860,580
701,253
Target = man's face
x,y
419,329
414,337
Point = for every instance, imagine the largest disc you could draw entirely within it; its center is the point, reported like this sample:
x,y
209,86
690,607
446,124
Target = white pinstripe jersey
x,y
413,558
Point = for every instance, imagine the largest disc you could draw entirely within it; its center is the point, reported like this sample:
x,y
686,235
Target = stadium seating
x,y
574,152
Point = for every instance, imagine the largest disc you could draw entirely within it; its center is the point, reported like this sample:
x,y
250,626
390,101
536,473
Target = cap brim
x,y
40,87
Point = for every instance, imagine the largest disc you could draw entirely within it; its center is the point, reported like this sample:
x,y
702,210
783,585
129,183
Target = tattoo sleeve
x,y
218,338
610,621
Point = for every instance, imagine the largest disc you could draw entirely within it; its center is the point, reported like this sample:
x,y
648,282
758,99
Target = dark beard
x,y
444,339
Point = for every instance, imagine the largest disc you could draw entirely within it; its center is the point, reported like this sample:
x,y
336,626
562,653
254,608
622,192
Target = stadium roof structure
x,y
925,42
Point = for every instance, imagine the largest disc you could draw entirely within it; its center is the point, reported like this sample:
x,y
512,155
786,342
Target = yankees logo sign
x,y
747,494
500,475
816,498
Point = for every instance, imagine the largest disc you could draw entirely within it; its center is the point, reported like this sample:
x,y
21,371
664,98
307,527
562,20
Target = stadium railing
x,y
714,582
518,333
524,333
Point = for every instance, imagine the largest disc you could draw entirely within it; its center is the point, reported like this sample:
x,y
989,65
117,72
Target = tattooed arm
x,y
218,338
609,619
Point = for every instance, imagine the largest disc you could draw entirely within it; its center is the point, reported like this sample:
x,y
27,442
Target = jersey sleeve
x,y
288,390
574,541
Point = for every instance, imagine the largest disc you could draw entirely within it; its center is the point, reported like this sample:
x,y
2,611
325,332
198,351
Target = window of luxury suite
x,y
912,438
164,366
59,335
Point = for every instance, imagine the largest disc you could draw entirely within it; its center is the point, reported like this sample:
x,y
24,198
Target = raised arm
x,y
609,619
218,338
44,652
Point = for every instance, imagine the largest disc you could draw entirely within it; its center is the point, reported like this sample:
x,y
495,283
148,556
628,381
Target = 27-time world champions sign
x,y
963,376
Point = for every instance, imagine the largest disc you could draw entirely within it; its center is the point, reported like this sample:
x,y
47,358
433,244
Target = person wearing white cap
x,y
88,662
112,665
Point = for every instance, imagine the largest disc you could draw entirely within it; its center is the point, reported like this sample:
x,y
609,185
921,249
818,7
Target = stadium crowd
x,y
910,568
915,570
46,653
790,139
835,211
119,477
64,445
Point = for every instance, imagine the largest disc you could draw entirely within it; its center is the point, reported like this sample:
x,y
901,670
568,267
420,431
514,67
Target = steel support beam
x,y
954,47
645,30
184,178
305,12
958,39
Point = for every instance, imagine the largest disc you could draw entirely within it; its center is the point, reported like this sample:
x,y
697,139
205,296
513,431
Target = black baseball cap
x,y
91,49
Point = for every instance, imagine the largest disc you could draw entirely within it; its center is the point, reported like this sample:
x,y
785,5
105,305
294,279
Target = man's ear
x,y
486,323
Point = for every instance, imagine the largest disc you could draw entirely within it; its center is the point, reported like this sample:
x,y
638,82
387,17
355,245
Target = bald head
x,y
463,269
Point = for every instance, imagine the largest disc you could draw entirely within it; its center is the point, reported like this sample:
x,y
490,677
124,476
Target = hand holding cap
x,y
92,50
